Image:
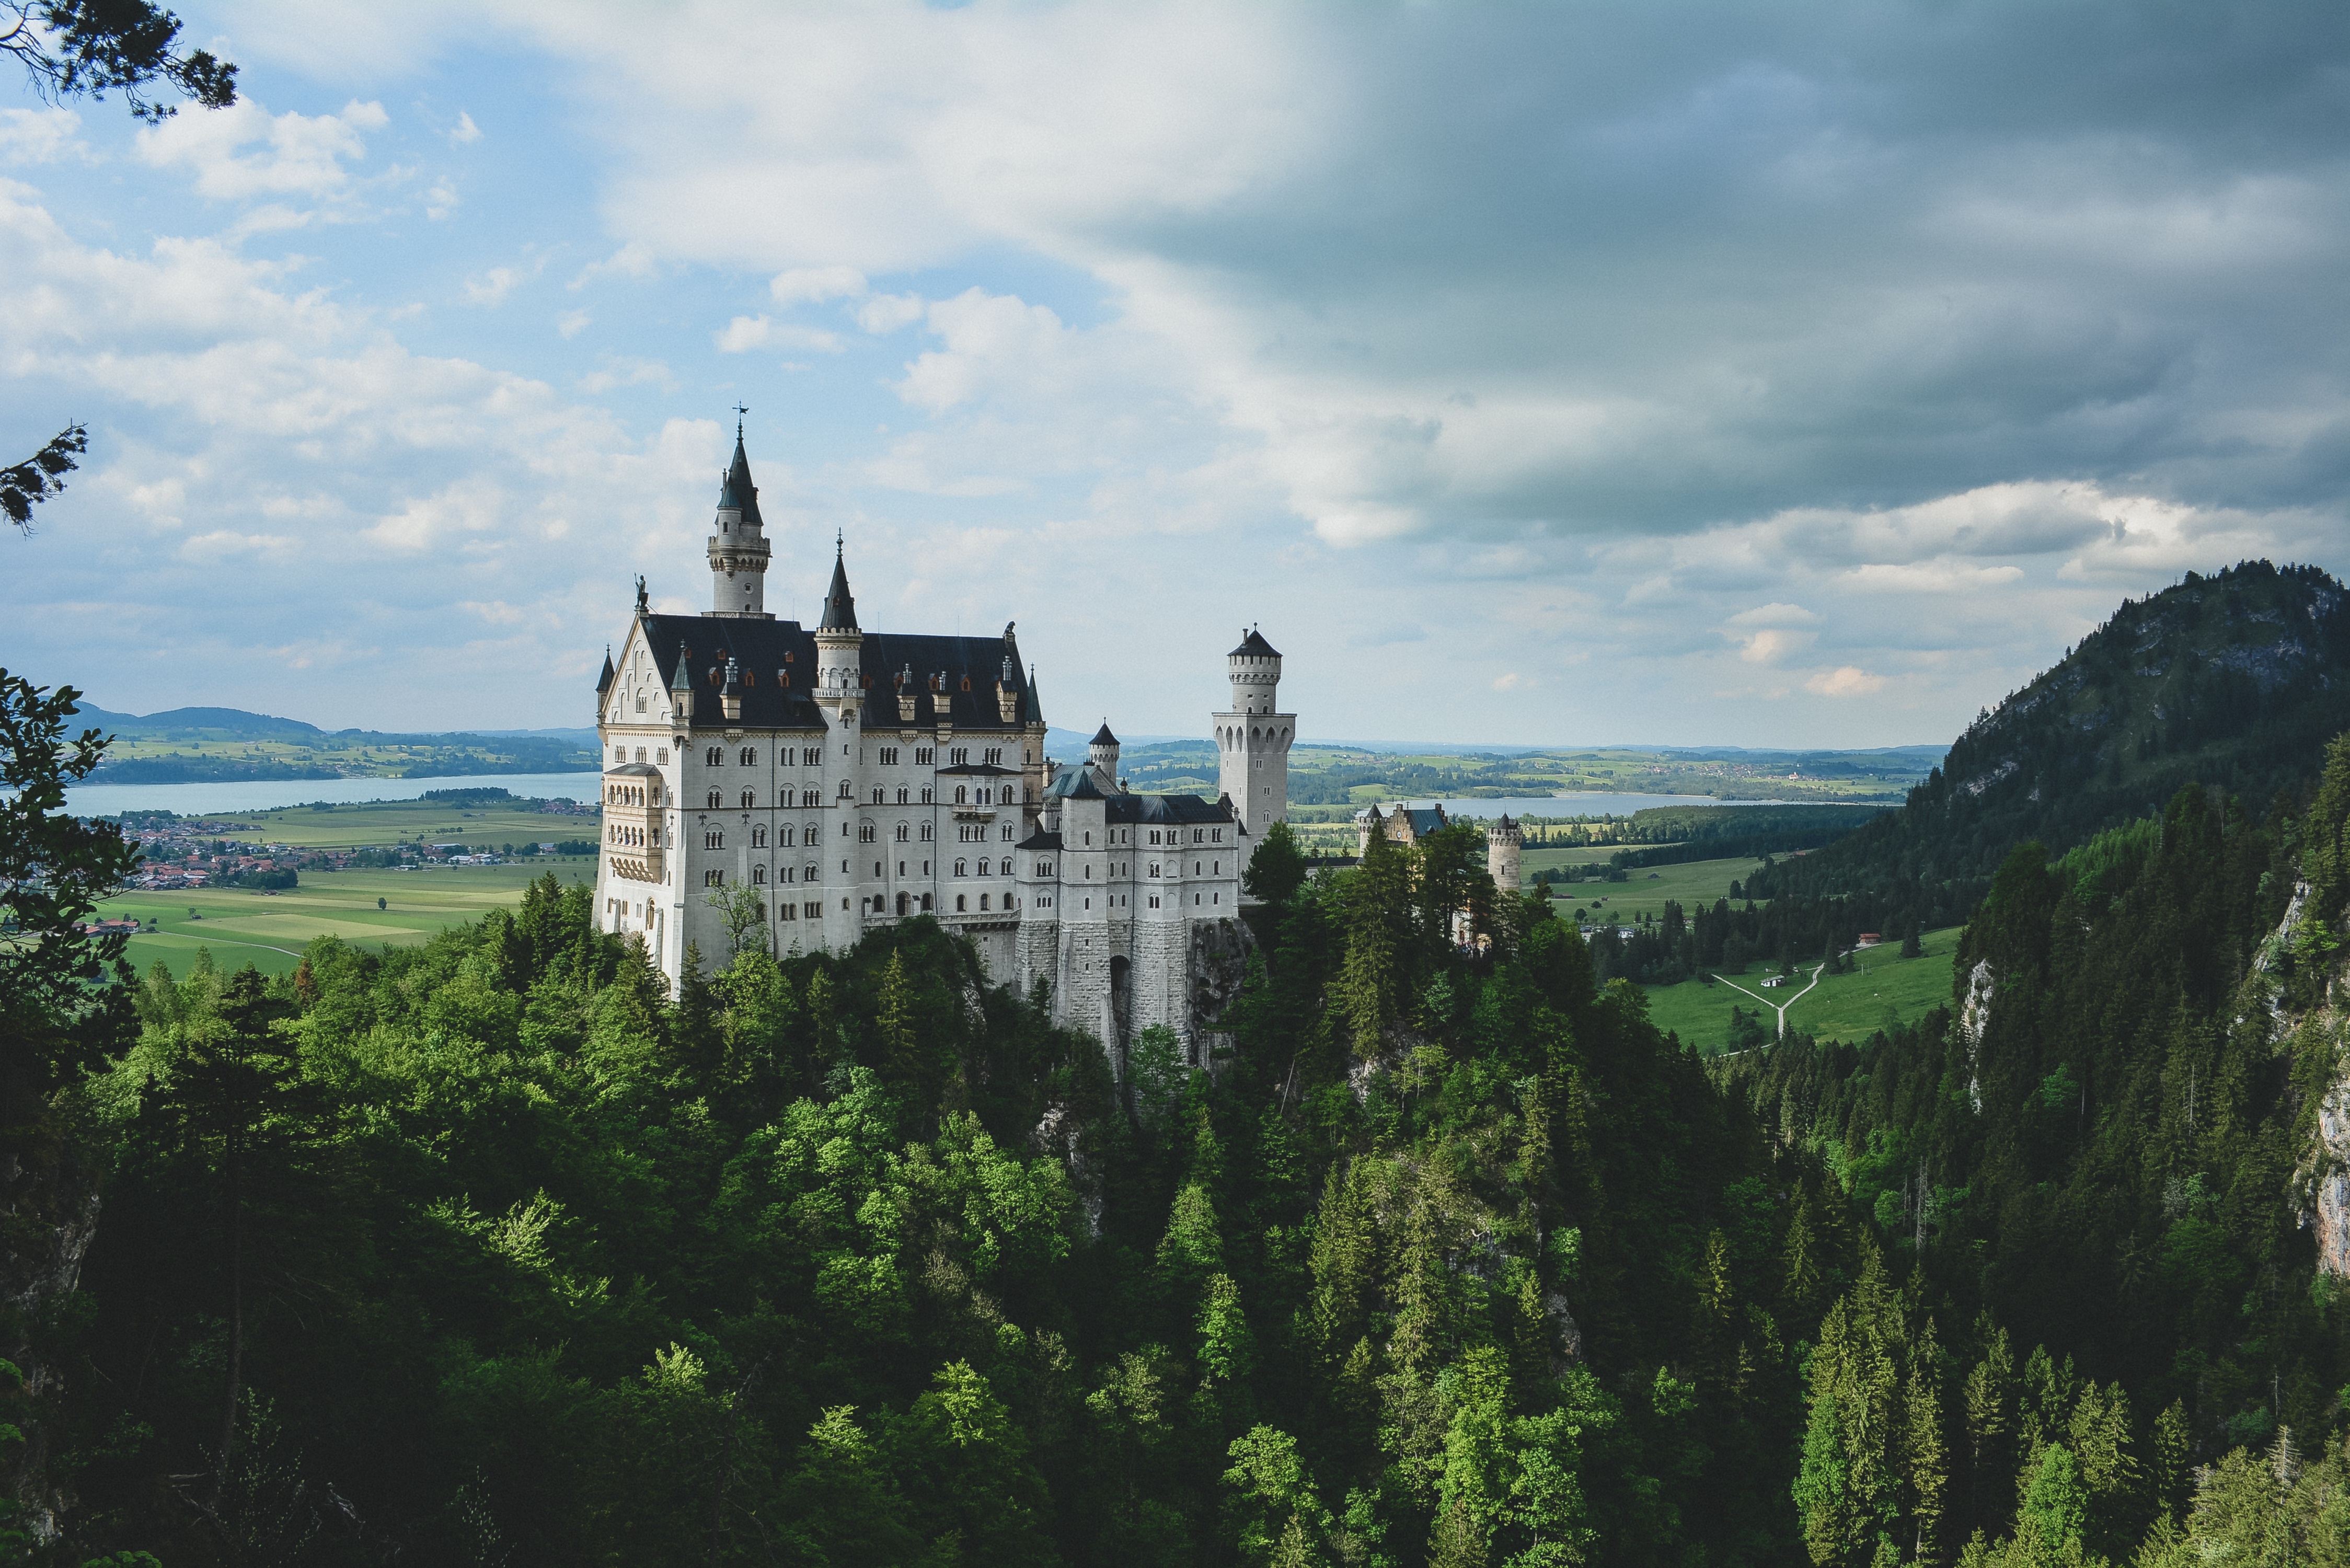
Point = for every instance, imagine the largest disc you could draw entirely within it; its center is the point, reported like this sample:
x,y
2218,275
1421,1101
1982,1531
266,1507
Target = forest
x,y
495,1252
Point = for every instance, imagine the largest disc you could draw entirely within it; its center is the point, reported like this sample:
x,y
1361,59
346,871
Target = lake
x,y
1590,804
268,794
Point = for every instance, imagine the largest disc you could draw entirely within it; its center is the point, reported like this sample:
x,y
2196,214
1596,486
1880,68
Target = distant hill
x,y
2234,681
231,744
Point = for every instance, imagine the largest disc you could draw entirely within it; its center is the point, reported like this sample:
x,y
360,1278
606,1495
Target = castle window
x,y
925,757
717,802
959,795
749,799
758,875
715,756
888,757
1219,835
811,755
1154,903
957,756
748,758
926,832
959,904
844,789
713,878
903,828
983,903
982,866
758,838
926,903
807,797
1044,869
808,873
926,794
995,756
865,833
713,840
619,754
1154,868
961,869
1007,866
1007,833
808,834
901,794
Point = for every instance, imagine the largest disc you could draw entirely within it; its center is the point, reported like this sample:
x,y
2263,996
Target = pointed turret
x,y
1101,756
680,685
738,545
839,607
604,682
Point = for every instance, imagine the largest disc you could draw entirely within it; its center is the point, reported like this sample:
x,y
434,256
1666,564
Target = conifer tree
x,y
1990,1426
1928,1458
1370,979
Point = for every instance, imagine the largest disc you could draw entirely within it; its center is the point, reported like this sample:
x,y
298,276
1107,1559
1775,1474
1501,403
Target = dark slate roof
x,y
1255,643
1074,783
1157,810
777,664
604,682
1102,737
983,770
736,489
1040,839
1505,823
634,769
1427,821
839,609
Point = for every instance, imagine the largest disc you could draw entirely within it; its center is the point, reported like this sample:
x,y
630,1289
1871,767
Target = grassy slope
x,y
1842,1007
269,930
1695,883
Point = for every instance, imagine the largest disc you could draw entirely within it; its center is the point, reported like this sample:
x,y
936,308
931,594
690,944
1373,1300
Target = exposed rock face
x,y
49,1217
1565,1334
1218,964
2327,1181
1974,1017
1055,1133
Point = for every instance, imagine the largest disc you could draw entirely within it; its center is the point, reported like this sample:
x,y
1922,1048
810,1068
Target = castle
x,y
812,785
1504,839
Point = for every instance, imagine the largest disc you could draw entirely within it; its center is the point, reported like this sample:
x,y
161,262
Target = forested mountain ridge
x,y
2235,682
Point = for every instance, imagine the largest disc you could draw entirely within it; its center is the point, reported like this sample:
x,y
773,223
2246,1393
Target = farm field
x,y
1842,1007
397,821
270,930
1691,884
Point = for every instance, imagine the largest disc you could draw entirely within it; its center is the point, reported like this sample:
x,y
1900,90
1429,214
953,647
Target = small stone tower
x,y
1253,740
1503,842
1101,755
739,550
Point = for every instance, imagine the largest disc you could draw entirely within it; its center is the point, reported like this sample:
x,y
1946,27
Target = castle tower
x,y
1503,842
1253,740
739,550
1101,755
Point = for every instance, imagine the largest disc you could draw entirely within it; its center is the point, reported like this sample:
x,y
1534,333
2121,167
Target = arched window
x,y
758,875
901,794
807,797
865,833
982,902
926,903
713,840
959,795
749,759
715,756
962,868
750,798
926,832
713,878
844,790
902,830
982,866
876,794
758,838
959,906
716,800
1007,866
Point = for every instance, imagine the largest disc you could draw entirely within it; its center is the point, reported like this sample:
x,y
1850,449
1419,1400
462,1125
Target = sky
x,y
1764,376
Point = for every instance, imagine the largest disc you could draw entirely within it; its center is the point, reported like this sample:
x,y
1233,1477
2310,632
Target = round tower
x,y
1255,668
739,549
1101,755
1253,738
1503,842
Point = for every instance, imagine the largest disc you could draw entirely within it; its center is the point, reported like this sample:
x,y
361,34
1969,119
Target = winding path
x,y
1780,1006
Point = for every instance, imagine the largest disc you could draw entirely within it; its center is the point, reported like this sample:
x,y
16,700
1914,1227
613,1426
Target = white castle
x,y
852,779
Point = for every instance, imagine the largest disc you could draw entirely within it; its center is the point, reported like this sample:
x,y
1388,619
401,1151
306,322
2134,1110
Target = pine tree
x,y
901,1054
1370,979
1990,1426
1928,1458
2172,1458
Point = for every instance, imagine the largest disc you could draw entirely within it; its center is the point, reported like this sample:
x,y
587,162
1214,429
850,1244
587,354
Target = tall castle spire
x,y
739,549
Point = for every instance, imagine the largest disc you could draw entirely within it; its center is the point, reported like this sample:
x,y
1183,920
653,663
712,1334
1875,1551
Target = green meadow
x,y
1885,987
1689,885
269,930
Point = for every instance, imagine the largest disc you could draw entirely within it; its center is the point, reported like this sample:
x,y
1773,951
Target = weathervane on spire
x,y
739,412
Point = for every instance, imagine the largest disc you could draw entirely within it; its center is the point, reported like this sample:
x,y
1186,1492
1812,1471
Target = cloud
x,y
1768,647
620,371
811,284
440,201
572,323
1776,614
493,286
300,155
885,313
40,136
1848,680
748,332
464,131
